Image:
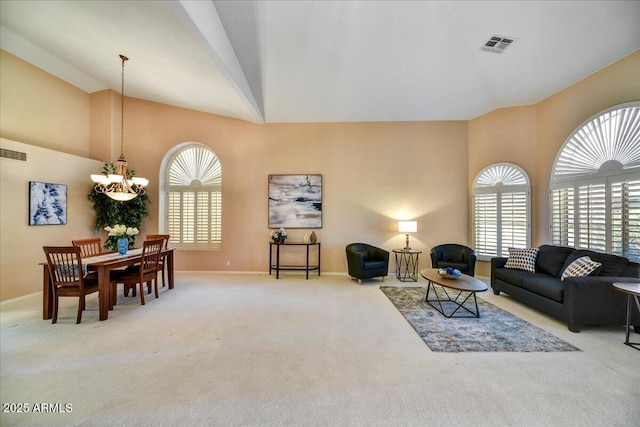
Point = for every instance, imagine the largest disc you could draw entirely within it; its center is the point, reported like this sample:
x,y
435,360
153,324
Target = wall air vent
x,y
13,155
498,43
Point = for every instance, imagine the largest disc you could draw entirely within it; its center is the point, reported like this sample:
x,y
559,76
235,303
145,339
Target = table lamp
x,y
407,227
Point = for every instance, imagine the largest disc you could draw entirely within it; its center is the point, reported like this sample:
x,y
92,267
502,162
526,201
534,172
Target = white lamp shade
x,y
102,179
121,196
407,226
115,178
142,182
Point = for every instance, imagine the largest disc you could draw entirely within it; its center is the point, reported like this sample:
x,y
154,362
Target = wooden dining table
x,y
103,265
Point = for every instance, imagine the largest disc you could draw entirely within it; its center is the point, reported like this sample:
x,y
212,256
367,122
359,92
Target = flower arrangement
x,y
120,232
279,236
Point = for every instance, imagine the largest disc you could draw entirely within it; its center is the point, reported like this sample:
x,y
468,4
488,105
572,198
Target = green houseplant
x,y
110,212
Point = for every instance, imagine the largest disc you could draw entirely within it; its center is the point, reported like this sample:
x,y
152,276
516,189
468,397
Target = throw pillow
x,y
580,267
522,259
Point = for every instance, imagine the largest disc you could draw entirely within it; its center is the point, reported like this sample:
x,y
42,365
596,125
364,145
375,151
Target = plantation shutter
x,y
592,232
194,199
486,223
562,217
514,227
625,219
501,195
596,178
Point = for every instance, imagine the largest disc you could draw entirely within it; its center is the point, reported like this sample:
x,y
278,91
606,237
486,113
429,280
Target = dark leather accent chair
x,y
366,262
456,256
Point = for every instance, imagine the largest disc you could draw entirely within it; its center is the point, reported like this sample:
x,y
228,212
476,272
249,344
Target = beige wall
x,y
40,109
531,136
373,173
21,244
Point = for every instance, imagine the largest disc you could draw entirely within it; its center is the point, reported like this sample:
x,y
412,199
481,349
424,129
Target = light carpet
x,y
250,350
494,330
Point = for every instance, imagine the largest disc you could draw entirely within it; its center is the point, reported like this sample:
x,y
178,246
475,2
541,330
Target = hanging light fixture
x,y
118,186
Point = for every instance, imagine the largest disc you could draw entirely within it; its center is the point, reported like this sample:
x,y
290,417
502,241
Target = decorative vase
x,y
305,239
123,245
313,237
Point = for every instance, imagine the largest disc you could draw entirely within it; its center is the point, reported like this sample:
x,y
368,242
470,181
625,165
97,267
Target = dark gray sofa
x,y
579,301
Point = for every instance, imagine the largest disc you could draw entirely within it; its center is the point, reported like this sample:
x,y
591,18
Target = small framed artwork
x,y
295,201
47,203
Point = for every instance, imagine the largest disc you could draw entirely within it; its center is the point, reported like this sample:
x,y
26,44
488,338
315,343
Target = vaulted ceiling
x,y
324,61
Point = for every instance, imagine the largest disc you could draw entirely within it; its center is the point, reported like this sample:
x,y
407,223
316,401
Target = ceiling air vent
x,y
498,43
14,155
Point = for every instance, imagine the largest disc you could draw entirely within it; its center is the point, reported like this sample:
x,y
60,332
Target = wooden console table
x,y
277,267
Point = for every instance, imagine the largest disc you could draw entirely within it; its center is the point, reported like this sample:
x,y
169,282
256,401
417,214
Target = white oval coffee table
x,y
463,284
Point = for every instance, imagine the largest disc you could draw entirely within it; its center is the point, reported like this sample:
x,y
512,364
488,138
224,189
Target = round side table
x,y
632,290
407,264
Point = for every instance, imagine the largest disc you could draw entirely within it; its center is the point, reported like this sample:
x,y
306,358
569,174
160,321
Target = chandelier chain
x,y
124,58
119,185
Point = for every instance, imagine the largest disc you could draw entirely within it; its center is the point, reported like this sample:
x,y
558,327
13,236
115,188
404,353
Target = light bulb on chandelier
x,y
120,186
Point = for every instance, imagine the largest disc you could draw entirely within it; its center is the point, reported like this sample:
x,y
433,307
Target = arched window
x,y
501,210
193,201
595,184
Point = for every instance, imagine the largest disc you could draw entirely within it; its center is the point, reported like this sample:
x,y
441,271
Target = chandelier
x,y
119,186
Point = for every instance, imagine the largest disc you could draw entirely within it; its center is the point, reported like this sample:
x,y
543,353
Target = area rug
x,y
495,329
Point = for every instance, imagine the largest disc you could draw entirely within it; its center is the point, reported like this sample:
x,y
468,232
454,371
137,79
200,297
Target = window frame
x,y
194,187
500,189
605,175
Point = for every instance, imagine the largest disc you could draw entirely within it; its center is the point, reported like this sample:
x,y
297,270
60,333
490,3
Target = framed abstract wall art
x,y
47,203
295,201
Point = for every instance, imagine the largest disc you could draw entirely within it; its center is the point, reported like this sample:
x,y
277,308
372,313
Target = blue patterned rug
x,y
495,330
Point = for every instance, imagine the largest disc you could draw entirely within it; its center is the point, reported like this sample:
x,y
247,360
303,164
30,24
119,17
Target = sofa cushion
x,y
511,275
582,266
612,265
522,259
551,259
544,285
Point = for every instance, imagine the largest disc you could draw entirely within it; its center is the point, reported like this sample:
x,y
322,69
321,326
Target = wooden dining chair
x,y
68,278
89,247
161,266
145,272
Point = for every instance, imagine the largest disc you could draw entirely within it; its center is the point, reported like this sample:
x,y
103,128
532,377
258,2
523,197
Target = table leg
x,y
307,268
47,294
277,261
628,325
103,292
170,271
457,305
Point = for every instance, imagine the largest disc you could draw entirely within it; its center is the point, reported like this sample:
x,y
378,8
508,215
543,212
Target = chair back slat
x,y
65,265
67,278
164,237
151,250
89,247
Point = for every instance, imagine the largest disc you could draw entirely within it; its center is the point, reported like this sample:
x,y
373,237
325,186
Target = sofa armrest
x,y
497,262
379,254
592,299
355,258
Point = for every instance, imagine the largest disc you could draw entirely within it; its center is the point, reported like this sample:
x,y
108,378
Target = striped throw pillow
x,y
522,259
582,266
